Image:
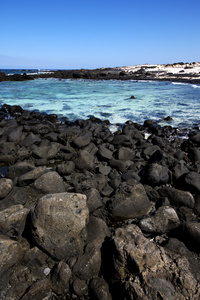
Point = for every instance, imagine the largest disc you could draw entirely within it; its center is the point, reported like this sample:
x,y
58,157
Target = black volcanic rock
x,y
90,214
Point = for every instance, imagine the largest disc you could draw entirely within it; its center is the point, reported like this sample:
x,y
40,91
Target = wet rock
x,y
12,221
177,197
50,182
11,252
99,289
60,278
155,174
84,160
6,186
129,202
164,220
59,224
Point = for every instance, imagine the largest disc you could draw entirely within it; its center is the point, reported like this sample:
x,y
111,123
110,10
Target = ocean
x,y
113,100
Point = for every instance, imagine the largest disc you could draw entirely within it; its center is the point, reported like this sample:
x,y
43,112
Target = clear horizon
x,y
86,34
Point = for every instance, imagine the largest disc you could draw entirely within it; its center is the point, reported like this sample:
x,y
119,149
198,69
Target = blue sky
x,y
67,34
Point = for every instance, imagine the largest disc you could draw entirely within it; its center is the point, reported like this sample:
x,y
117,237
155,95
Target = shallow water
x,y
79,99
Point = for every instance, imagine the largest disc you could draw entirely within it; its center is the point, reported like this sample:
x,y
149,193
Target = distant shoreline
x,y
177,72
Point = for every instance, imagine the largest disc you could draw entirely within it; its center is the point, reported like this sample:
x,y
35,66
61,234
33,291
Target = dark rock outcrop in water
x,y
88,214
177,72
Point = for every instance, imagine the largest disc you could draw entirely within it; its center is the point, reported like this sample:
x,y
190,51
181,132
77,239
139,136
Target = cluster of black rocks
x,y
143,73
90,214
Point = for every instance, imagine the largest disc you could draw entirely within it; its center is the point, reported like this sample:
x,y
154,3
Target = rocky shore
x,y
177,72
90,214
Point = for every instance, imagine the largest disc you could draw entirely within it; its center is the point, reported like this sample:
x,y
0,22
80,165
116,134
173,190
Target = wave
x,y
196,86
180,83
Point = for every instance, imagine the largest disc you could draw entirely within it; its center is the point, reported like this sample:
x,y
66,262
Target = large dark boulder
x,y
59,224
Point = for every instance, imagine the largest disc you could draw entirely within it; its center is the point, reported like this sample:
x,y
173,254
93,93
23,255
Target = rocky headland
x,y
177,72
90,214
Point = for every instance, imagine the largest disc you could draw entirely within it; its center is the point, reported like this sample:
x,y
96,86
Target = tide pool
x,y
80,99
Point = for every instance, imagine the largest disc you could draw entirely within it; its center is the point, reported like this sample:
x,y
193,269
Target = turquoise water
x,y
79,99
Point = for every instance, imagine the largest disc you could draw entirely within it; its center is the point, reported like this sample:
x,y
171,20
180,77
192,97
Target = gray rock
x,y
177,197
155,174
125,153
50,182
60,278
12,221
164,220
47,152
66,168
130,202
11,252
38,290
121,140
88,265
59,224
83,140
107,191
6,186
93,199
104,169
104,153
150,271
179,170
118,164
80,288
18,169
136,252
99,289
31,176
15,135
151,149
96,229
192,179
192,235
84,161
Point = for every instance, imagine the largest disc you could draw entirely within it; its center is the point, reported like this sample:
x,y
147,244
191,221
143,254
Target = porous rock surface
x,y
90,214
